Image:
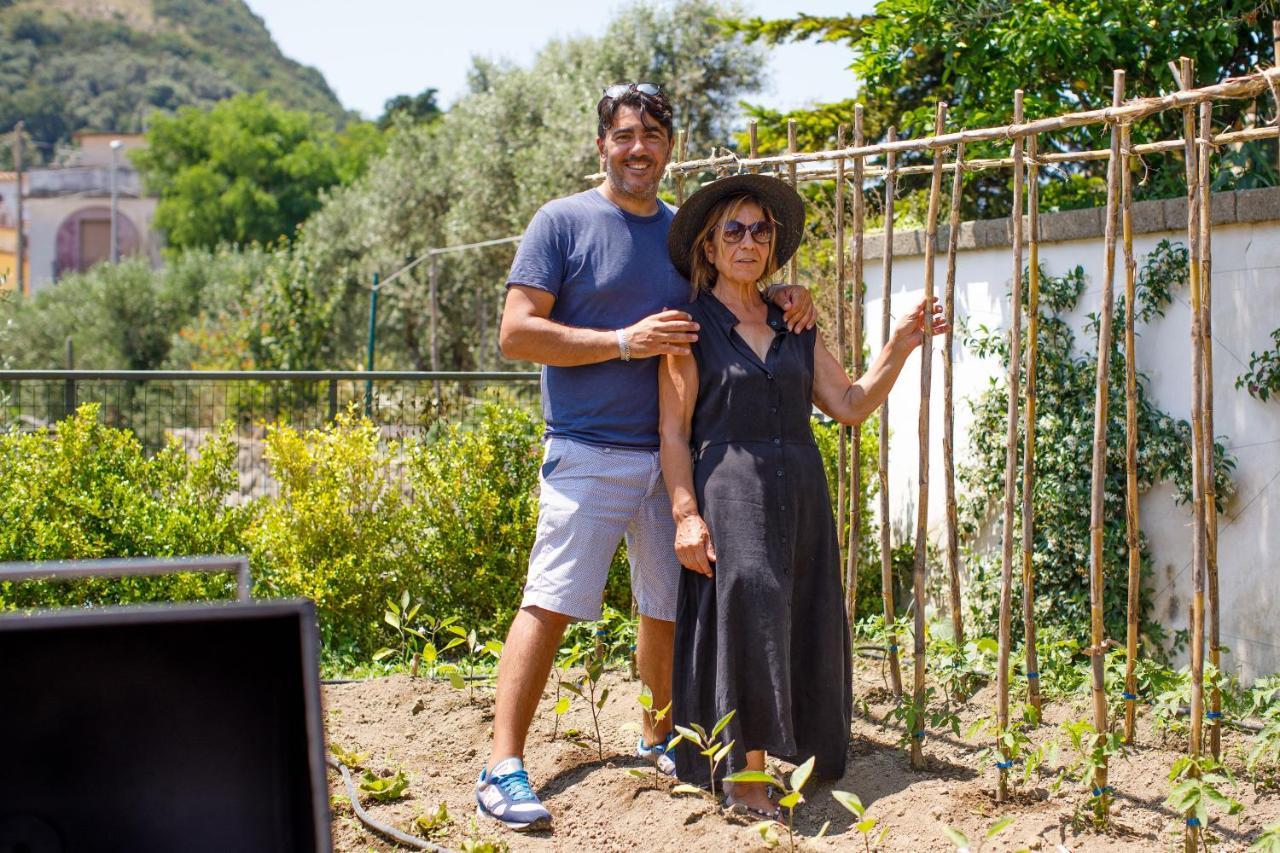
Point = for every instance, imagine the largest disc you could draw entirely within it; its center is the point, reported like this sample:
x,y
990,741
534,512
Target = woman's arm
x,y
677,392
853,402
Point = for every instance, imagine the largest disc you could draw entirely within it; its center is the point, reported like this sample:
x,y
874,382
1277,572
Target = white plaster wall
x,y
45,215
1246,302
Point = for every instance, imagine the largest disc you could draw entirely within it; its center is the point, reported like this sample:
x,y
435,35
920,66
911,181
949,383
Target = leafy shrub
x,y
335,533
84,490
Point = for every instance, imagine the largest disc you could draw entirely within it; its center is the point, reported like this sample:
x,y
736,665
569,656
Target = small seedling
x,y
915,720
384,789
863,824
645,700
351,760
433,825
791,796
708,746
961,841
586,689
476,843
567,662
1268,841
1014,746
1093,753
1197,783
765,830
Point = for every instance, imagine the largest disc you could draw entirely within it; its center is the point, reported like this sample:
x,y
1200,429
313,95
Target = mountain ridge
x,y
106,65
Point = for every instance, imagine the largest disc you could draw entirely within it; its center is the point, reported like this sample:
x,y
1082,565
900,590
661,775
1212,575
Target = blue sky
x,y
372,50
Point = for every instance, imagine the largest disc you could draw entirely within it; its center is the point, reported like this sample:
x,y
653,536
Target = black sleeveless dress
x,y
767,636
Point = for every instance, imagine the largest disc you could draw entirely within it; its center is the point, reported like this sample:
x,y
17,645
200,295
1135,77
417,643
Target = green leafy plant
x,y
707,745
1262,379
962,843
863,824
1015,745
1197,784
1268,841
1264,755
1091,753
791,795
654,715
384,789
350,759
567,661
585,687
916,720
434,824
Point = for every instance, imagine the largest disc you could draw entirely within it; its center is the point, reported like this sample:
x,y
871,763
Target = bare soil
x,y
440,736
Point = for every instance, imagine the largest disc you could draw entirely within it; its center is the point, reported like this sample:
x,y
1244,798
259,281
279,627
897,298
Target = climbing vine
x,y
1064,446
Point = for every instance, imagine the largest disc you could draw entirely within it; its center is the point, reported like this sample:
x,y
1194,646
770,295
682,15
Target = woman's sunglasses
x,y
733,231
617,90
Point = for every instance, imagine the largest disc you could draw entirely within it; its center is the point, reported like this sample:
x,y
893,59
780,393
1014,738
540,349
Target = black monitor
x,y
164,728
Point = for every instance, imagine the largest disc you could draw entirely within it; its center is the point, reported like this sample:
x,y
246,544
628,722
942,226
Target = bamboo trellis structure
x,y
1196,146
948,408
1011,467
886,321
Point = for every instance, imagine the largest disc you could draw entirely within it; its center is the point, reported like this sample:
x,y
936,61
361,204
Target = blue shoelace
x,y
515,785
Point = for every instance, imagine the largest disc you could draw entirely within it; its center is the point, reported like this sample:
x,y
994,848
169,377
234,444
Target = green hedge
x,y
357,520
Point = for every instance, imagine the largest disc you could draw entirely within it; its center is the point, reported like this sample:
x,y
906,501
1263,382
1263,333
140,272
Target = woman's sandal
x,y
738,808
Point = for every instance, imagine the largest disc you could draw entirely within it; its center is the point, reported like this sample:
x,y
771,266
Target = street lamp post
x,y
116,144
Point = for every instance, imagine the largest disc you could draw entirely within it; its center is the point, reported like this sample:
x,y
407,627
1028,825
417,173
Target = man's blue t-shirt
x,y
607,269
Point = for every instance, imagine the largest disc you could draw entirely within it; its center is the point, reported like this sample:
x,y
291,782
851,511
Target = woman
x,y
760,625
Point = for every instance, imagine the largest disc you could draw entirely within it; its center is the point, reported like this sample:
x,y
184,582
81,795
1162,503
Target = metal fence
x,y
192,405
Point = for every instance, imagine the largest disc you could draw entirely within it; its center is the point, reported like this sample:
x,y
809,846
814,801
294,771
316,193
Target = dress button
x,y
777,441
773,410
783,507
779,472
769,376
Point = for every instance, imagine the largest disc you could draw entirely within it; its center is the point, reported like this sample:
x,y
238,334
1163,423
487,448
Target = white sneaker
x,y
504,794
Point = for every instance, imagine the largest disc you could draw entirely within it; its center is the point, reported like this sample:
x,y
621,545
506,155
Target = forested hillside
x,y
68,65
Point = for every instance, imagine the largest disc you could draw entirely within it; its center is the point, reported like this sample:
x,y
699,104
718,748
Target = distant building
x,y
67,209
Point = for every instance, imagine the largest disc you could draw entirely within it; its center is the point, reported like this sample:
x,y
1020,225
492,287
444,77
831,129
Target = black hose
x,y
383,829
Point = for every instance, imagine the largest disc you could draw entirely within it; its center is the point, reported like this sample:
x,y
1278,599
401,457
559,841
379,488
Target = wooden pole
x,y
793,266
1210,479
886,323
754,145
1275,55
1199,538
922,503
433,295
20,248
948,406
855,345
1030,655
1097,516
842,452
682,140
1132,527
1011,468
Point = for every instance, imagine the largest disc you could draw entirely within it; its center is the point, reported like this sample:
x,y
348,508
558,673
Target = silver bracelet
x,y
624,345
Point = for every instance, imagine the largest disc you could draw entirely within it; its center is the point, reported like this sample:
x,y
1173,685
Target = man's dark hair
x,y
656,107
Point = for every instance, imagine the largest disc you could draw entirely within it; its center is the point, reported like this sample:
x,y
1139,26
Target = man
x,y
588,297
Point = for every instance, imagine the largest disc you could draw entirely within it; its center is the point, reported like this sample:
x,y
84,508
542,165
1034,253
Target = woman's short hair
x,y
702,273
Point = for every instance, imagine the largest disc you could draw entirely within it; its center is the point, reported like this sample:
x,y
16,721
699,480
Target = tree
x,y
420,108
245,171
909,54
516,139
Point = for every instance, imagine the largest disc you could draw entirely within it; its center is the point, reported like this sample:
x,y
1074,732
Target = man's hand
x,y
668,332
693,545
797,306
908,332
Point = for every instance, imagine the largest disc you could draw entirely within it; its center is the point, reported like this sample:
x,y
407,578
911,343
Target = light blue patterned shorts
x,y
592,497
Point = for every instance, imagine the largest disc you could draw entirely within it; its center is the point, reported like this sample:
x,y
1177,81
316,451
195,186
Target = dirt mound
x,y
440,736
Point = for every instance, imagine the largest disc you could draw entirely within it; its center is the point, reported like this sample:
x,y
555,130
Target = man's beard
x,y
618,183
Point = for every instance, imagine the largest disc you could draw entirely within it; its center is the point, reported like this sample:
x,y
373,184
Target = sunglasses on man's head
x,y
733,231
617,90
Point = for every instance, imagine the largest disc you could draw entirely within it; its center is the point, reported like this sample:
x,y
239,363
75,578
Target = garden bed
x,y
440,737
